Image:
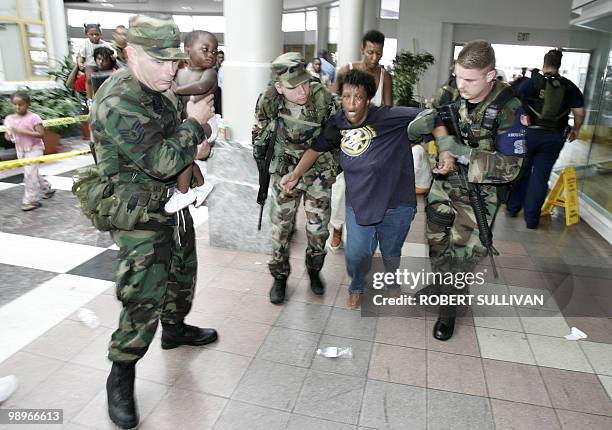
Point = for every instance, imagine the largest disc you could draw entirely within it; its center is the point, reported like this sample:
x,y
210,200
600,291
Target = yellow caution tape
x,y
57,121
11,164
564,194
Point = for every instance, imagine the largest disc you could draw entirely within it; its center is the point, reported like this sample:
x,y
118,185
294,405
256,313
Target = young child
x,y
26,130
198,79
85,55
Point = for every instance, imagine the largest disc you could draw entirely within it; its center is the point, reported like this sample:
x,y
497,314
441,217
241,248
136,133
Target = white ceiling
x,y
175,6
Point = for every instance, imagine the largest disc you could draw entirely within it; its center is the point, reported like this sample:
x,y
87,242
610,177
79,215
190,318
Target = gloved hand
x,y
454,146
422,124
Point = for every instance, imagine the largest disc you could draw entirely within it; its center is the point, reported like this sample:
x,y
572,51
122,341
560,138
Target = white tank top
x,y
378,97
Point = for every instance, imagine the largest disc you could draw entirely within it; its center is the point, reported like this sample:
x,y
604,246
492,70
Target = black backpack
x,y
545,105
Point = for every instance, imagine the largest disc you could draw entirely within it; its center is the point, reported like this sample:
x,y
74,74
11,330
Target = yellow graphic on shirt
x,y
357,140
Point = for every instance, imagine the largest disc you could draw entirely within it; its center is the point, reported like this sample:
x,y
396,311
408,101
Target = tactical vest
x,y
545,104
479,127
297,134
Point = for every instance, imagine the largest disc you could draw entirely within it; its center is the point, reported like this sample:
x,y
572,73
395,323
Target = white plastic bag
x,y
336,352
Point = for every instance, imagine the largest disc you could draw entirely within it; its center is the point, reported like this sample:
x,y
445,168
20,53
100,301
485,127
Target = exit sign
x,y
522,37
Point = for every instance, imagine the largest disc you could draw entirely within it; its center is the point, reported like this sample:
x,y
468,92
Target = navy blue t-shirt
x,y
377,161
572,98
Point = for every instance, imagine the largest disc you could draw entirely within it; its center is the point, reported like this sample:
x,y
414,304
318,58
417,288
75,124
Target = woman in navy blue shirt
x,y
376,156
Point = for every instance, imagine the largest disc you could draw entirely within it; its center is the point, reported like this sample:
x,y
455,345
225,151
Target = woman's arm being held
x,y
290,180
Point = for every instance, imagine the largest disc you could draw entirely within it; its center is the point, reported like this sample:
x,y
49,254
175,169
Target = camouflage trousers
x,y
155,281
455,247
316,190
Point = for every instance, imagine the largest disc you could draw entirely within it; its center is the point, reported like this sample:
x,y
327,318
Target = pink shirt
x,y
28,121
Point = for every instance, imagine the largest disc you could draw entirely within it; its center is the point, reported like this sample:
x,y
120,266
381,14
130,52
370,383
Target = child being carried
x,y
199,79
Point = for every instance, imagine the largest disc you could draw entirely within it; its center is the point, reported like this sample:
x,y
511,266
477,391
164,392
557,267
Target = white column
x,y
322,28
425,35
57,35
253,38
351,26
371,14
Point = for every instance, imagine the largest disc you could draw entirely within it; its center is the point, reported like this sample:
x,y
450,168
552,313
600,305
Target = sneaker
x,y
202,192
179,201
8,385
30,206
48,194
335,241
214,126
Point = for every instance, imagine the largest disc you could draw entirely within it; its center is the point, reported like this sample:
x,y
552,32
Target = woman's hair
x,y
373,36
21,95
107,54
92,26
358,78
553,58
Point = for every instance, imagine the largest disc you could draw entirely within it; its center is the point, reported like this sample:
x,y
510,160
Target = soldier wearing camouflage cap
x,y
293,110
141,145
489,118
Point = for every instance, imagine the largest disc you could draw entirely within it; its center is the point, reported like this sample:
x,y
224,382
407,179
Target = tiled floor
x,y
509,369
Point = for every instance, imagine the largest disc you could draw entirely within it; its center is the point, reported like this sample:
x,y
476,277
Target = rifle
x,y
448,115
264,174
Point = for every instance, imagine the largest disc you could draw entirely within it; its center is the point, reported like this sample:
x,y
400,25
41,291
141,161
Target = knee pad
x,y
440,212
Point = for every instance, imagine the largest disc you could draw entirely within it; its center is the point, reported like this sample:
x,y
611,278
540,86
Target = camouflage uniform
x,y
296,133
457,248
141,146
446,93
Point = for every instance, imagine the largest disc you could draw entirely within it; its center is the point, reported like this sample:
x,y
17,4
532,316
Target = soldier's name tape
x,y
58,121
12,164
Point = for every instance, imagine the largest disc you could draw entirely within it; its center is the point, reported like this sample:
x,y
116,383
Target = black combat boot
x,y
174,335
277,292
445,326
120,393
316,284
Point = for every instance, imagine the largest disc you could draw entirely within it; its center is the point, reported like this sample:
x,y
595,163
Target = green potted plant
x,y
406,71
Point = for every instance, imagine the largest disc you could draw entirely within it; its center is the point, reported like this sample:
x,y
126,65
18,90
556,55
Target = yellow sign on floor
x,y
564,194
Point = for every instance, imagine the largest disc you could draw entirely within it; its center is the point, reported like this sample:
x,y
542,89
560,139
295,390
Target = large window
x,y
300,21
109,20
23,41
79,17
334,24
389,52
389,9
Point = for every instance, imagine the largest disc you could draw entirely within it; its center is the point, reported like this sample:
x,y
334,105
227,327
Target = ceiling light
x,y
107,5
186,8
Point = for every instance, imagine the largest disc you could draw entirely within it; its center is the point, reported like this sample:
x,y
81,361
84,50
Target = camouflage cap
x,y
290,70
158,35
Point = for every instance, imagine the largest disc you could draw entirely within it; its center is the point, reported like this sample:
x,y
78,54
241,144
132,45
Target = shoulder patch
x,y
132,135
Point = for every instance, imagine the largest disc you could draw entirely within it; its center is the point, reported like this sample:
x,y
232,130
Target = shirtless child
x,y
198,79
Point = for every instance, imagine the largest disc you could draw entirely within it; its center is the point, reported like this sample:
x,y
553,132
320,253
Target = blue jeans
x,y
529,191
361,242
